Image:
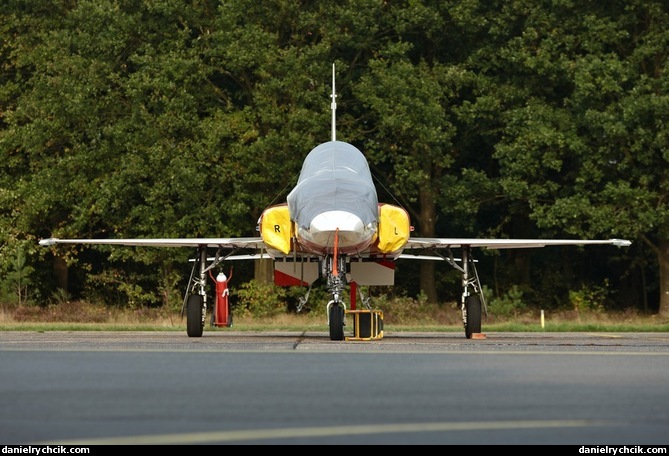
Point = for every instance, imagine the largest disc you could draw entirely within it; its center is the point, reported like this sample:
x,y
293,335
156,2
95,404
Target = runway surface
x,y
228,387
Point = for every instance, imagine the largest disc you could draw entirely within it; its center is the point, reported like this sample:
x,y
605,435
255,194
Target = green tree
x,y
105,124
583,146
412,91
153,119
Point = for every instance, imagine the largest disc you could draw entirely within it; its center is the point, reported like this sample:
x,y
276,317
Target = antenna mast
x,y
333,106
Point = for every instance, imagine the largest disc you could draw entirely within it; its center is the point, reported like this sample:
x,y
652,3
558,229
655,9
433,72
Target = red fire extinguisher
x,y
222,314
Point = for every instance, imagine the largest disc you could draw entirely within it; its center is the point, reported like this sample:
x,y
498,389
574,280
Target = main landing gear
x,y
473,301
195,299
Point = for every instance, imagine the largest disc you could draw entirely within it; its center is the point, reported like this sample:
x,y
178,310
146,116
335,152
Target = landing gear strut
x,y
335,271
195,300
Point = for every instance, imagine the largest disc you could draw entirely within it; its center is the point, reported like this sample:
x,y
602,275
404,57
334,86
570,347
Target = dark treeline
x,y
133,118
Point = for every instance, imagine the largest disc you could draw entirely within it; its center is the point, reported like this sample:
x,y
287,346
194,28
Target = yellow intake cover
x,y
394,228
275,227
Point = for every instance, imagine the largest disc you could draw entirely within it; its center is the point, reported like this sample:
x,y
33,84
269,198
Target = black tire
x,y
336,319
194,322
473,314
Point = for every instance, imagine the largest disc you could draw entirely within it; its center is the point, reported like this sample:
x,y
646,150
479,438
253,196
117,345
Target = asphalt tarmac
x,y
84,388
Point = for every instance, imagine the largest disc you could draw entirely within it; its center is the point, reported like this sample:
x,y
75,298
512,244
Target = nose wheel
x,y
336,321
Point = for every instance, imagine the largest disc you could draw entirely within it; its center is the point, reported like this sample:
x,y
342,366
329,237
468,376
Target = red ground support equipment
x,y
222,311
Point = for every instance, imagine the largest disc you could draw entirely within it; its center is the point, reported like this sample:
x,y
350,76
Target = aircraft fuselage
x,y
334,201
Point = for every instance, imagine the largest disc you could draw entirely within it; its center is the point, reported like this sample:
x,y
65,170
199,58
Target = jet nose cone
x,y
352,233
333,220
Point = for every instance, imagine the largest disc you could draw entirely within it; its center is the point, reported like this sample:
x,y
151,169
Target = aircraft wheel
x,y
336,319
194,323
473,312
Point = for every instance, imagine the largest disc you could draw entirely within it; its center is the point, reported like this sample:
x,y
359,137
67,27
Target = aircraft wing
x,y
413,243
232,243
443,243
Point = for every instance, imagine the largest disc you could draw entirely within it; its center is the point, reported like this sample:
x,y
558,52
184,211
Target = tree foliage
x,y
123,118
